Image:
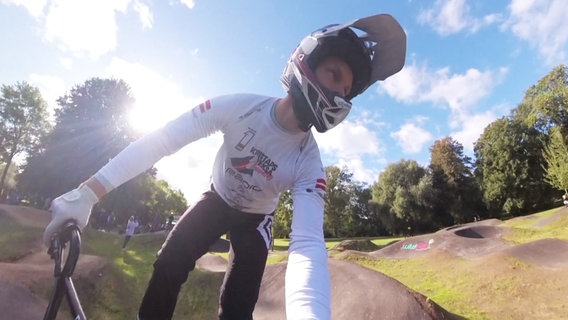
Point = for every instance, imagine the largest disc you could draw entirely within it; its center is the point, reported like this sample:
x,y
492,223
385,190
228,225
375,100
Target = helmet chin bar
x,y
332,116
324,111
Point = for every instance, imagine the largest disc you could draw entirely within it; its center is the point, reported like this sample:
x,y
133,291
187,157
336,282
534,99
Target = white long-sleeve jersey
x,y
257,161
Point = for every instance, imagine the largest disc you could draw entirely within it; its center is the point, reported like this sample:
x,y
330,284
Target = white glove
x,y
74,205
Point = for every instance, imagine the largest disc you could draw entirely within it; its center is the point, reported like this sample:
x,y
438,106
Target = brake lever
x,y
69,235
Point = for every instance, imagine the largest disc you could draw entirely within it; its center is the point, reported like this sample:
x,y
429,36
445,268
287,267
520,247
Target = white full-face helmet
x,y
376,54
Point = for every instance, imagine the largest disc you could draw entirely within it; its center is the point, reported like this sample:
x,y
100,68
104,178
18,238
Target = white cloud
x,y
188,3
459,92
360,170
452,16
34,7
84,27
543,25
67,63
471,128
348,140
51,89
346,144
145,15
407,85
411,138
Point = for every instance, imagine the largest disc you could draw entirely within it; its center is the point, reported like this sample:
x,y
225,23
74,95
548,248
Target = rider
x,y
268,148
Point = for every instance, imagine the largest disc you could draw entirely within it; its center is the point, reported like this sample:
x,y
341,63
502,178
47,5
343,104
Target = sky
x,y
468,63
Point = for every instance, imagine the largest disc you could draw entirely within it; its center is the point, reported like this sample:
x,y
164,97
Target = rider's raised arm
x,y
308,293
201,121
139,156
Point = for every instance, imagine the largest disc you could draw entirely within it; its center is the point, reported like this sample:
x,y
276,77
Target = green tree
x,y
23,119
509,168
145,197
282,225
458,197
10,180
339,198
365,218
545,107
556,156
545,104
402,198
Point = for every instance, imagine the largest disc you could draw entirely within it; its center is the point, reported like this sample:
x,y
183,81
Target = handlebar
x,y
68,238
71,234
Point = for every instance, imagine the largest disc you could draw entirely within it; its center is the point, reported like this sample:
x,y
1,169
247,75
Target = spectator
x,y
130,230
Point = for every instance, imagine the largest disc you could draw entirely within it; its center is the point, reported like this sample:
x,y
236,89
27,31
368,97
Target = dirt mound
x,y
17,302
470,241
211,262
488,222
221,245
551,253
359,245
480,232
408,248
552,219
19,279
27,216
357,293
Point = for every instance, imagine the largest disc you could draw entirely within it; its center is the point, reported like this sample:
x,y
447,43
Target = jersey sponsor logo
x,y
264,165
246,115
244,165
247,137
243,184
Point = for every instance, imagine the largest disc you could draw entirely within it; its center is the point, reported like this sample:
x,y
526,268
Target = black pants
x,y
126,240
199,227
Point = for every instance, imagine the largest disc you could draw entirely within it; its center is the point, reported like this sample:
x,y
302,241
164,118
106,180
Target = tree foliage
x,y
346,207
556,156
337,200
545,104
91,128
283,216
457,196
146,198
402,198
24,121
545,107
509,164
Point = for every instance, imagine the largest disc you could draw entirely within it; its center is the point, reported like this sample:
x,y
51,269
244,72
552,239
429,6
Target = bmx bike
x,y
64,250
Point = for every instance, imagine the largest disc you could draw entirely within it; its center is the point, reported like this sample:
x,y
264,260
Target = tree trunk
x,y
3,193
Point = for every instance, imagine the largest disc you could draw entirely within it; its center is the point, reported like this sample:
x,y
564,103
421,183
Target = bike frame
x,y
69,235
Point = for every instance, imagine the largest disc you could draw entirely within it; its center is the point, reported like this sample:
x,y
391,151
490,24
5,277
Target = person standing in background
x,y
130,230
